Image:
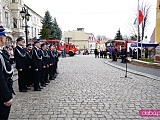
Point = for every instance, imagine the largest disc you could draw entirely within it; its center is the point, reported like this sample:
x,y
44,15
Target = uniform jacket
x,y
45,58
6,72
36,58
52,55
20,58
28,58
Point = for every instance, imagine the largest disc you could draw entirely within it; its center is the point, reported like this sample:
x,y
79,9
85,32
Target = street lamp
x,y
25,15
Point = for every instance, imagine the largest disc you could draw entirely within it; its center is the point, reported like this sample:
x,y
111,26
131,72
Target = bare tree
x,y
139,30
145,10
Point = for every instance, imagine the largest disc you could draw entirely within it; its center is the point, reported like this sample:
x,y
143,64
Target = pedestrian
x,y
21,66
6,71
123,54
37,65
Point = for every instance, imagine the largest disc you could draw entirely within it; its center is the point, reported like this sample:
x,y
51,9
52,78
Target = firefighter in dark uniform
x,y
20,60
45,61
29,73
57,59
52,62
6,71
37,65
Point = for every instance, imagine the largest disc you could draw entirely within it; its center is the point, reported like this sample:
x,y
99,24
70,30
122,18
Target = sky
x,y
100,17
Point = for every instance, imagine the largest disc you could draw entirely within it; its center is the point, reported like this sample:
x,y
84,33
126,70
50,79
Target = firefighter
x,y
6,71
21,66
37,65
52,62
29,72
45,56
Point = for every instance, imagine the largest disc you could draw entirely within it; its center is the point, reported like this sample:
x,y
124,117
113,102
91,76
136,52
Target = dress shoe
x,y
40,87
43,85
22,90
37,89
46,83
27,88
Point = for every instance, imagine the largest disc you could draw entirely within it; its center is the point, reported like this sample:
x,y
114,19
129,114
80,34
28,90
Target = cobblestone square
x,y
88,89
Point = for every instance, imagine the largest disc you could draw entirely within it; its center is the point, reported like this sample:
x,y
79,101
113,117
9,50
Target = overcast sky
x,y
100,17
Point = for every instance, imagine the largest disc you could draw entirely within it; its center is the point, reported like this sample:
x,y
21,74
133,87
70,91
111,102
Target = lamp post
x,y
25,16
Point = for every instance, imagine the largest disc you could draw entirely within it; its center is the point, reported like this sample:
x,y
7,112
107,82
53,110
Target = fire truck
x,y
70,49
118,44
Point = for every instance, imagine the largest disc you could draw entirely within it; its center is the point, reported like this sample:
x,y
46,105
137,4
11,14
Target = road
x,y
88,89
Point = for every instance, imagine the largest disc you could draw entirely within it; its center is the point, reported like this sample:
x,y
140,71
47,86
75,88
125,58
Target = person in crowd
x,y
45,63
29,72
57,59
52,62
21,66
134,53
11,54
101,53
37,65
114,53
105,53
123,54
96,53
6,71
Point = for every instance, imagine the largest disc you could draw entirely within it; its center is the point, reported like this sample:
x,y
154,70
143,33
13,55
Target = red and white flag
x,y
140,18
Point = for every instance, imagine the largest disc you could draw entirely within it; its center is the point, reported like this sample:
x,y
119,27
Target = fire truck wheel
x,y
71,53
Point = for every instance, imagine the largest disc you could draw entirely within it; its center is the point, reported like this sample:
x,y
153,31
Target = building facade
x,y
77,37
91,42
35,24
157,29
13,23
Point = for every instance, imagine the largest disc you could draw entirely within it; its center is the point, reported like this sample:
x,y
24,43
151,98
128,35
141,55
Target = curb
x,y
134,72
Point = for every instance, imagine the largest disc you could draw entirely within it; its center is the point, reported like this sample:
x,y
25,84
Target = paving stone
x,y
88,89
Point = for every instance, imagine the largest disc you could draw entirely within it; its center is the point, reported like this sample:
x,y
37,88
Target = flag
x,y
140,18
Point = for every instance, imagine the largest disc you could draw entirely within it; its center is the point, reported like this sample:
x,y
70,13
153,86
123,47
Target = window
x,y
6,19
14,23
34,19
35,33
13,1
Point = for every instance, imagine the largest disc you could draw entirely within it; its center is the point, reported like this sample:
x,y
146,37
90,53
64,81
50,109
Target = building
x,y
157,29
35,24
13,23
91,42
77,37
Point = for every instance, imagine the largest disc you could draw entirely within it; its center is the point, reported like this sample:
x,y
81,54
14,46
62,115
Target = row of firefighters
x,y
36,64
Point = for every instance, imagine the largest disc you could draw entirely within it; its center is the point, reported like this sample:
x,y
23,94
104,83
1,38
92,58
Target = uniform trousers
x,y
21,80
4,111
37,78
43,77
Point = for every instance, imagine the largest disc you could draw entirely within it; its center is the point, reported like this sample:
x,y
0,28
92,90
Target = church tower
x,y
157,32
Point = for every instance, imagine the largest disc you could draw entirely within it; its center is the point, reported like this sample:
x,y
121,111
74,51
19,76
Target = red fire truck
x,y
71,49
118,44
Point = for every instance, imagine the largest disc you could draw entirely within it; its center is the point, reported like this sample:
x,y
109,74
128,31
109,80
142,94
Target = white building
x,y
13,23
91,42
35,24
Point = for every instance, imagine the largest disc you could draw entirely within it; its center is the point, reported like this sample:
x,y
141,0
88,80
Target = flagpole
x,y
137,26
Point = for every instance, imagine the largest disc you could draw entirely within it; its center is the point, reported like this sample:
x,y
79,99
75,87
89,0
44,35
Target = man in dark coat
x,y
52,62
45,63
21,66
37,65
29,72
6,71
